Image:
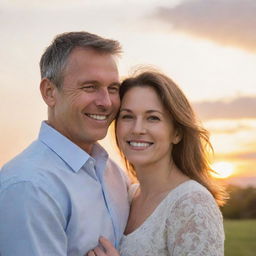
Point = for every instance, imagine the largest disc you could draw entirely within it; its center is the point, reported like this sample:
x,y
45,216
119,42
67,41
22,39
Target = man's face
x,y
88,100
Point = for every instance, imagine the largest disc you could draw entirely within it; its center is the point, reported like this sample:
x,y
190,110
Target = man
x,y
63,192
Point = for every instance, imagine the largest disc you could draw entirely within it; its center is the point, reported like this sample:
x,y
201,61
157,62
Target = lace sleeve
x,y
195,226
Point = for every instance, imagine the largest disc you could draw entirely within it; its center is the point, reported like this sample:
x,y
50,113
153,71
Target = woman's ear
x,y
178,136
48,91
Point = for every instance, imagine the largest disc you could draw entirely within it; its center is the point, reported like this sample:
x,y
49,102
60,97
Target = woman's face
x,y
145,130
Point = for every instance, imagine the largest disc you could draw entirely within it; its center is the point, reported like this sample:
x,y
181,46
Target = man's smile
x,y
98,117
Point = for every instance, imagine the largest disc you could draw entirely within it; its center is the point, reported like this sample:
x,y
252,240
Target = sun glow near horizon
x,y
223,170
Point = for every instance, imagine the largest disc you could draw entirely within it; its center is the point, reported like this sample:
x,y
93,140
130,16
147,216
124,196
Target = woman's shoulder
x,y
194,198
192,185
190,188
190,195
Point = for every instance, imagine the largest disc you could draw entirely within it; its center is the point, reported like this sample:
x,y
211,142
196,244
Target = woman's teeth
x,y
140,144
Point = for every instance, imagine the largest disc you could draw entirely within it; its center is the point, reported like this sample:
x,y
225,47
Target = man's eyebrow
x,y
115,84
98,83
89,82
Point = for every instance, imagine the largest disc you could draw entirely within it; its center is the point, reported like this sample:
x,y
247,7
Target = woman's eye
x,y
125,117
153,118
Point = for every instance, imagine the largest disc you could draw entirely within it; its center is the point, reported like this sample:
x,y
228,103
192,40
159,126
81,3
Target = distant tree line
x,y
241,204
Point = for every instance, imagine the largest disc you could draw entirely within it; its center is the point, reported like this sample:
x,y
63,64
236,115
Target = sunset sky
x,y
207,46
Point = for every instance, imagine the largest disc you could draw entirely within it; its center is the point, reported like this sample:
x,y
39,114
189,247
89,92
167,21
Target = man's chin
x,y
99,136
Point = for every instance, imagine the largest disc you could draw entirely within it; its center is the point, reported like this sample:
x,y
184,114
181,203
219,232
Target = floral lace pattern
x,y
187,222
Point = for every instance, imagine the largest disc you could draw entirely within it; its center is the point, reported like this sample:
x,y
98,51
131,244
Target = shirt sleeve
x,y
195,227
31,222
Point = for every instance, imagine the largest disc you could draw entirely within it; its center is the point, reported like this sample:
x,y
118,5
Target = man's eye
x,y
113,89
88,88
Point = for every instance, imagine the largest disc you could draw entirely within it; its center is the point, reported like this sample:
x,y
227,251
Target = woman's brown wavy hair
x,y
191,154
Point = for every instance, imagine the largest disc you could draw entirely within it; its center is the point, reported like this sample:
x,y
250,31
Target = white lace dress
x,y
187,222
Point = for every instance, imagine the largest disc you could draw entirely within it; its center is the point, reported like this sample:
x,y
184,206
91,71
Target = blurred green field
x,y
240,237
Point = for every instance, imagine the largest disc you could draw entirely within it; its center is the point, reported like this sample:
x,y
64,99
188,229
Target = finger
x,y
109,248
99,252
91,253
105,242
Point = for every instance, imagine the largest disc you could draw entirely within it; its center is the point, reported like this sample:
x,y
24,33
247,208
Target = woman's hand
x,y
108,249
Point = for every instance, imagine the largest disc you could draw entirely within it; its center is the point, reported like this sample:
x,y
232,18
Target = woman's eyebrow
x,y
125,109
154,110
150,111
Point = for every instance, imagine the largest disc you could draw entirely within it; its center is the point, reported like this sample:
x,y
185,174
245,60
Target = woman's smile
x,y
145,131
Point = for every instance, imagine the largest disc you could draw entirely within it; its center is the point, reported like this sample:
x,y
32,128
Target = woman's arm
x,y
195,226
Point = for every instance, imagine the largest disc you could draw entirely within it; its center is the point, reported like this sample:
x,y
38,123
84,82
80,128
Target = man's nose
x,y
103,98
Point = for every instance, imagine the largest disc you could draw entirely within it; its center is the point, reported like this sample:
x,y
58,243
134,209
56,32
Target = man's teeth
x,y
98,117
140,144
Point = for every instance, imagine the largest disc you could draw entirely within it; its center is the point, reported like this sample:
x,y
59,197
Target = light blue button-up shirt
x,y
55,199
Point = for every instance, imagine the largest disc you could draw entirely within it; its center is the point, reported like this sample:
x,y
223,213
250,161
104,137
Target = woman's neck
x,y
158,178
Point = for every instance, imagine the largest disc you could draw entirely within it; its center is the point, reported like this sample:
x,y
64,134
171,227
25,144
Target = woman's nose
x,y
139,127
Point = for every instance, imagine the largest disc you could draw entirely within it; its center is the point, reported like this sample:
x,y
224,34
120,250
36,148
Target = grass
x,y
240,237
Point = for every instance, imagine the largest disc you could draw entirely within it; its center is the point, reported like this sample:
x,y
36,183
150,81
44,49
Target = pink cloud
x,y
229,22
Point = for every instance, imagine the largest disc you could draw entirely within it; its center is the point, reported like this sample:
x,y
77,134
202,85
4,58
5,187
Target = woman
x,y
174,209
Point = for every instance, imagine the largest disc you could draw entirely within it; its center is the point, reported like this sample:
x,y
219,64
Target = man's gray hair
x,y
54,59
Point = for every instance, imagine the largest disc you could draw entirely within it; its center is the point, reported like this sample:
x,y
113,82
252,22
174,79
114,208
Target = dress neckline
x,y
169,194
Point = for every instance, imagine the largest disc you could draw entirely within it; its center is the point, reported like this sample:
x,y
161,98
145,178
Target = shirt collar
x,y
100,157
99,153
69,152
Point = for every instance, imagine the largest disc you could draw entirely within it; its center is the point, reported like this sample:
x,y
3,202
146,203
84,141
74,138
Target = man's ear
x,y
48,92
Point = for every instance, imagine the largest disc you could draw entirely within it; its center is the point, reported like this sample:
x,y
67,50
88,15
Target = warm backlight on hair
x,y
223,169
